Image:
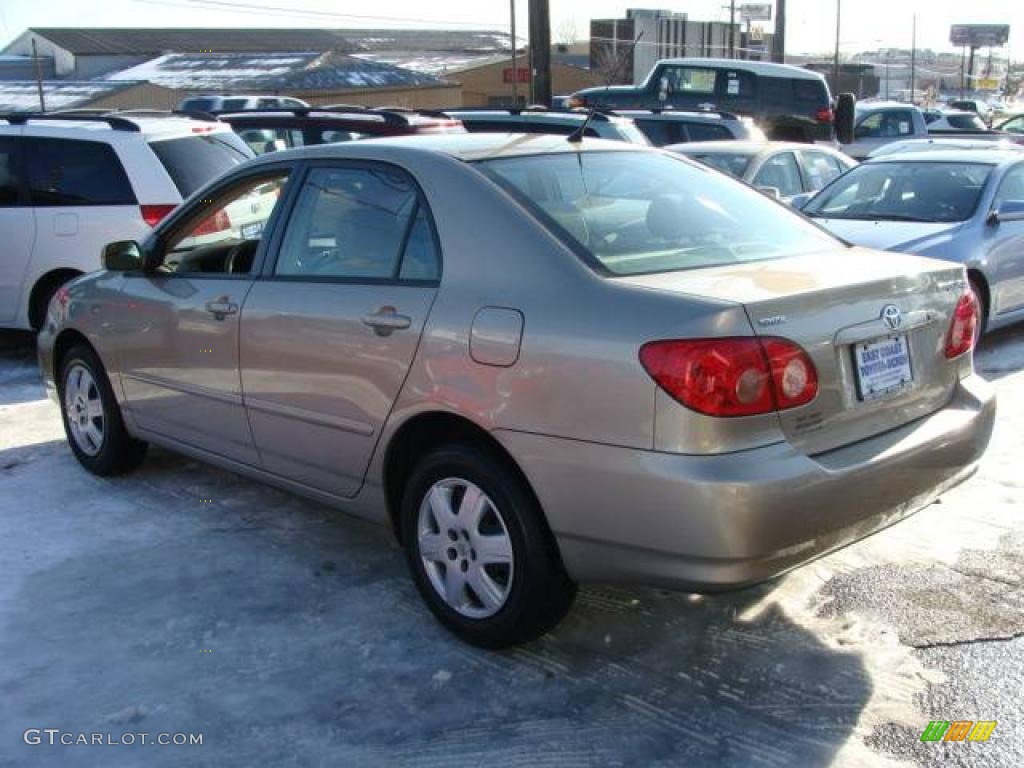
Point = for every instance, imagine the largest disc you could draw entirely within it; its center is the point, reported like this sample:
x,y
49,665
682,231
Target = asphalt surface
x,y
183,599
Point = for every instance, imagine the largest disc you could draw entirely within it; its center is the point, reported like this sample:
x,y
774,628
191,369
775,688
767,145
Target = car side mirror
x,y
799,201
1008,210
771,192
122,256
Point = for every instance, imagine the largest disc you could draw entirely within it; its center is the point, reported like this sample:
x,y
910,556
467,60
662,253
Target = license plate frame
x,y
891,378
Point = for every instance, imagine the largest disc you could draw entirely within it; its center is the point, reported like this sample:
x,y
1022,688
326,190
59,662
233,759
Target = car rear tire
x,y
479,551
92,418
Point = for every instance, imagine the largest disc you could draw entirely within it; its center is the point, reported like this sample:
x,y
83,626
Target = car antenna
x,y
577,136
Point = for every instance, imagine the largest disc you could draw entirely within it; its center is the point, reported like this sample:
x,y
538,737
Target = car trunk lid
x,y
835,305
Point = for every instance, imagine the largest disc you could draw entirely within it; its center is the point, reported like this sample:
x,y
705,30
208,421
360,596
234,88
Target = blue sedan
x,y
959,205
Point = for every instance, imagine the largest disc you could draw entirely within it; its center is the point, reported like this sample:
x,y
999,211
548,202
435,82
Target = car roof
x,y
764,68
980,156
117,124
871,106
743,147
536,116
461,146
677,114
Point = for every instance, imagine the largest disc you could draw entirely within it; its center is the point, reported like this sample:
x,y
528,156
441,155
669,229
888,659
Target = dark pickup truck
x,y
787,103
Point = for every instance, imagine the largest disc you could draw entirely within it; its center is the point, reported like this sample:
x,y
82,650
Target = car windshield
x,y
733,163
904,191
630,212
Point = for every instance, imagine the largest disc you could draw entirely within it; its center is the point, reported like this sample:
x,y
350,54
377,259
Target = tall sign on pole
x,y
540,51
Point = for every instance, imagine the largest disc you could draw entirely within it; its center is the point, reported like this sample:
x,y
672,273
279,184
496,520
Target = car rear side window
x,y
9,173
358,224
73,172
191,161
810,91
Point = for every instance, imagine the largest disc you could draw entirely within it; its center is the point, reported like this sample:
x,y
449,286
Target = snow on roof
x,y
23,95
291,71
433,62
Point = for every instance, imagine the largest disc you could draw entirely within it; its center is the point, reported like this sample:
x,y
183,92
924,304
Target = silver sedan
x,y
539,361
966,206
783,169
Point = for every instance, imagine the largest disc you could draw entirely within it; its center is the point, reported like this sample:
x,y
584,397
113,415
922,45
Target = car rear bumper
x,y
714,522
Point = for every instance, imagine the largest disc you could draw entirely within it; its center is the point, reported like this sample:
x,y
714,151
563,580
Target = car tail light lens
x,y
963,327
825,115
217,222
154,214
736,376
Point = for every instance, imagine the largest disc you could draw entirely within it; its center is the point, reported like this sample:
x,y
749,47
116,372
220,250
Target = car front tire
x,y
92,417
479,551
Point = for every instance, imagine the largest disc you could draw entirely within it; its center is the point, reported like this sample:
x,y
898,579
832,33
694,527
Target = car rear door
x,y
329,333
17,227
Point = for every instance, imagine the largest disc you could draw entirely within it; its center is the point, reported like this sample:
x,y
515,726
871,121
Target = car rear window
x,y
707,132
191,161
635,212
73,172
732,163
966,122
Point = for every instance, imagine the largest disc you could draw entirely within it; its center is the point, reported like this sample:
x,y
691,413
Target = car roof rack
x,y
398,116
599,113
677,110
193,114
86,116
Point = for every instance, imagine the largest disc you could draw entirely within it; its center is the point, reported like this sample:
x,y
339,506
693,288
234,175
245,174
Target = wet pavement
x,y
183,599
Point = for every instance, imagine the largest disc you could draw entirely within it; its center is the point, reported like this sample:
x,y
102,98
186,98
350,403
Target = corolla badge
x,y
891,316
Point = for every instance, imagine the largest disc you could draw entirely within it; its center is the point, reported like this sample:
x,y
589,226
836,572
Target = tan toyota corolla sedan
x,y
540,361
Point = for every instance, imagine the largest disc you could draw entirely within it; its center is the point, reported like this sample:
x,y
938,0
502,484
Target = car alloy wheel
x,y
84,408
465,548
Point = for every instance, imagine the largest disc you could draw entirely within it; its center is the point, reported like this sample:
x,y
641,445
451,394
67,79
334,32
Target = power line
x,y
276,10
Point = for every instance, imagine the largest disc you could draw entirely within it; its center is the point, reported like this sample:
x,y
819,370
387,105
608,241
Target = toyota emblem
x,y
891,316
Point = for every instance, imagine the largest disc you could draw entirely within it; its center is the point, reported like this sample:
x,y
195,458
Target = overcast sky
x,y
867,24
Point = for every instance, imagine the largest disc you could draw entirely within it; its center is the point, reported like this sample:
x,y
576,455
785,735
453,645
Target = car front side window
x,y
223,236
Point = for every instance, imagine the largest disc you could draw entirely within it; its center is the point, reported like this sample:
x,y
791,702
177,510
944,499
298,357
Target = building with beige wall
x,y
489,84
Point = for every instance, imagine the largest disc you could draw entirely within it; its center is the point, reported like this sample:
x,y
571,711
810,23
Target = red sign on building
x,y
522,75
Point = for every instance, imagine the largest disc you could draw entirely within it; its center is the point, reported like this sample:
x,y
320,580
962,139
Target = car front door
x,y
1004,243
329,333
17,228
178,334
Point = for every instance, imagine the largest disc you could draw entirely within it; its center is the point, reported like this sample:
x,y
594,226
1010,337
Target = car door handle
x,y
221,308
386,320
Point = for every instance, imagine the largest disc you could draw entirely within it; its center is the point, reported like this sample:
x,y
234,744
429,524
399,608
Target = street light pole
x,y
913,60
540,51
515,62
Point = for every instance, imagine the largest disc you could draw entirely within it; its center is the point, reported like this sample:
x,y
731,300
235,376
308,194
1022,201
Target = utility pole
x,y
779,38
540,51
835,61
913,60
515,60
732,31
39,76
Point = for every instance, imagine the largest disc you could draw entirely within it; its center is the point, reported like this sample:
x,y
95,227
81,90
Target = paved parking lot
x,y
183,599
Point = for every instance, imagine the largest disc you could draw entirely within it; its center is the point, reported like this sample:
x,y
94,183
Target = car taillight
x,y
154,214
825,115
217,222
733,376
963,327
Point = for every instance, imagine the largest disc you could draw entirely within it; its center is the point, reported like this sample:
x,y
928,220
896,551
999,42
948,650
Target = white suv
x,y
71,183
